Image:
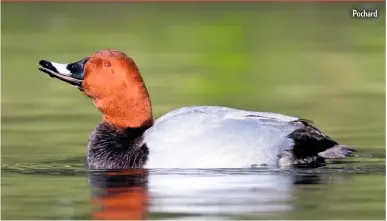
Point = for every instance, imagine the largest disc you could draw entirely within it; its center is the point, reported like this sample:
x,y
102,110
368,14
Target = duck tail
x,y
337,151
312,147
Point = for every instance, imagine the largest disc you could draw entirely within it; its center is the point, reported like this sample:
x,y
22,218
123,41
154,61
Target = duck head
x,y
113,81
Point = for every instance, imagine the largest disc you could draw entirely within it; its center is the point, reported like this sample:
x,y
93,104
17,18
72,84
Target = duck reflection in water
x,y
126,195
119,195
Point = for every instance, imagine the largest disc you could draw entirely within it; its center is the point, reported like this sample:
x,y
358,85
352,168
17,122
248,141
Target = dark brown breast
x,y
111,148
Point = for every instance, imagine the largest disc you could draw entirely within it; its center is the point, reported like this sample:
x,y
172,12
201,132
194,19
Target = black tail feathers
x,y
336,152
312,147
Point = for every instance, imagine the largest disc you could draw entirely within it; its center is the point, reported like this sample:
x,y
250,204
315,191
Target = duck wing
x,y
221,137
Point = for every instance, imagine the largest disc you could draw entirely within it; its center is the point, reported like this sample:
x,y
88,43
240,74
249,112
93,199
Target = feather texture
x,y
218,137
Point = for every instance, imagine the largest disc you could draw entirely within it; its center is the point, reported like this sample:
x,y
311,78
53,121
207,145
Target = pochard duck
x,y
188,137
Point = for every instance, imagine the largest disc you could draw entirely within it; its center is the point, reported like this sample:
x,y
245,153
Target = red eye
x,y
107,64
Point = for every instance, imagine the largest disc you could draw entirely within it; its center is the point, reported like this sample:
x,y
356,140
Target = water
x,y
353,190
303,59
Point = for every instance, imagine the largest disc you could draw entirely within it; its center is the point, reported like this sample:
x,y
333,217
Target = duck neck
x,y
128,108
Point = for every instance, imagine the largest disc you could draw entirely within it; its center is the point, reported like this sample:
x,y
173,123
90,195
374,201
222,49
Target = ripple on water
x,y
75,166
211,193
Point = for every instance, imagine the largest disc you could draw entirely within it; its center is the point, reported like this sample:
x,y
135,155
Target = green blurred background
x,y
311,60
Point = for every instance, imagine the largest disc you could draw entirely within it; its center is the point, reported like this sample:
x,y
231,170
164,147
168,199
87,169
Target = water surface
x,y
338,191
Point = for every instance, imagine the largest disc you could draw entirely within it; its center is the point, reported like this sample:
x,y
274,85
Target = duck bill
x,y
72,73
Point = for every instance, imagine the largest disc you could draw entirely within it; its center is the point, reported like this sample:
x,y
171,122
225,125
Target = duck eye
x,y
107,64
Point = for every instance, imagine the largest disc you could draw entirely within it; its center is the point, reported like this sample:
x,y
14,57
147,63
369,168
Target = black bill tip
x,y
46,64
